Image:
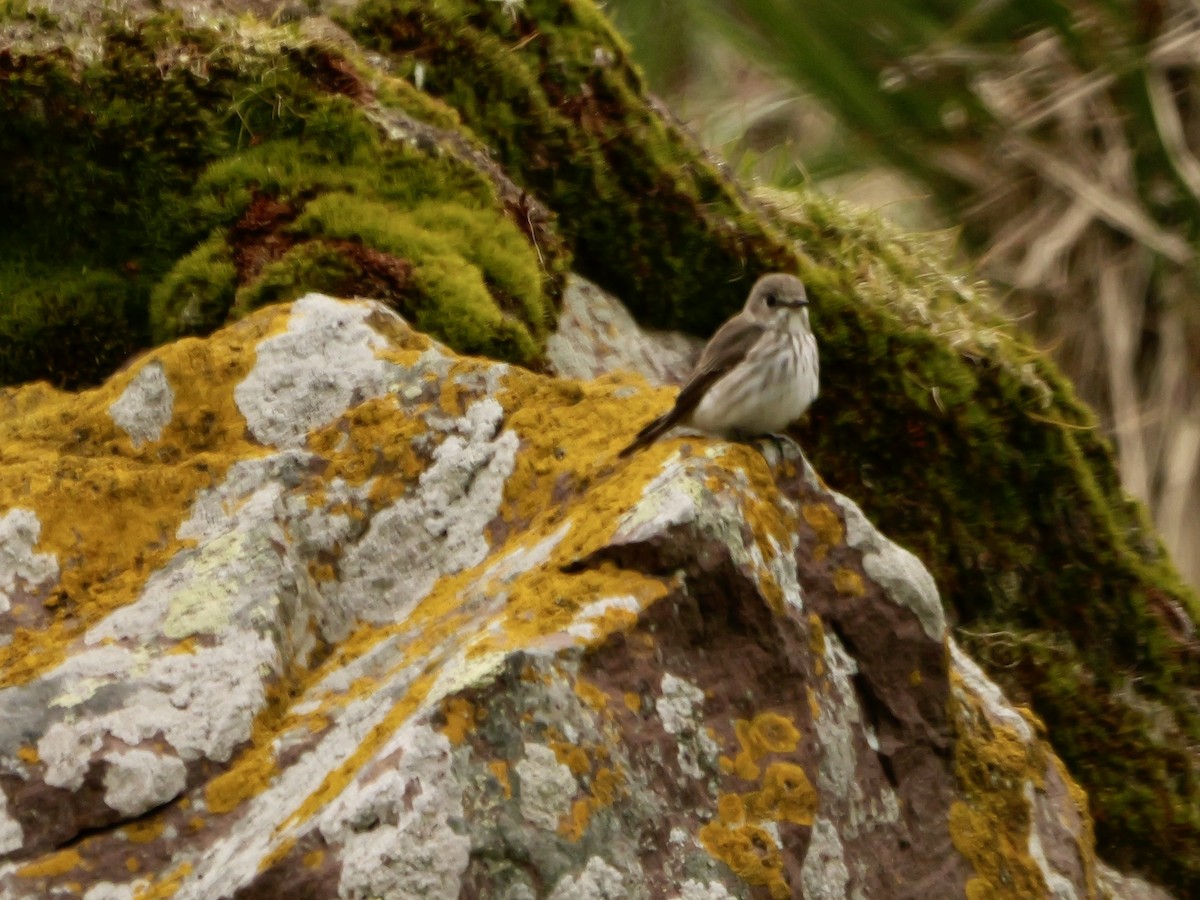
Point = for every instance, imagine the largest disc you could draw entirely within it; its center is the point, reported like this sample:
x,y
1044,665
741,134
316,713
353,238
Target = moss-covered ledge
x,y
550,86
164,174
169,173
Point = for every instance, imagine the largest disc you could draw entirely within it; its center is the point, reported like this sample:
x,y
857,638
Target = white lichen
x,y
324,363
19,564
137,780
396,830
437,529
824,873
995,704
146,405
597,881
12,837
545,785
904,580
697,890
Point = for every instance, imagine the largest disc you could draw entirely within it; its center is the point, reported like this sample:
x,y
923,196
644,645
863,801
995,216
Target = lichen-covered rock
x,y
170,166
315,607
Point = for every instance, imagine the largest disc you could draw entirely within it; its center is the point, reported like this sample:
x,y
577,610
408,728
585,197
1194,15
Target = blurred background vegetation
x,y
1058,138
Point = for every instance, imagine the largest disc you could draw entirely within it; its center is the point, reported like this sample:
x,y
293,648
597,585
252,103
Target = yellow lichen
x,y
731,809
990,825
766,733
786,795
816,642
633,702
574,824
528,615
824,520
133,865
566,431
848,582
27,753
248,776
277,854
186,647
313,858
615,619
108,512
571,756
252,770
372,441
337,779
603,793
167,886
591,694
565,453
321,573
499,770
750,852
460,719
51,865
144,832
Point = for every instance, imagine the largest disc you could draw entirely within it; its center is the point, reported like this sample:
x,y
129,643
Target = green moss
x,y
197,293
498,251
341,152
451,269
313,266
552,91
177,160
457,265
67,327
100,161
21,11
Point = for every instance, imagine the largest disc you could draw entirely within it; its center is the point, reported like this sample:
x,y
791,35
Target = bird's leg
x,y
781,443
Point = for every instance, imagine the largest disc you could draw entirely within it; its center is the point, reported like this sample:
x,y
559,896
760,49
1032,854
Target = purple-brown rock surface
x,y
314,607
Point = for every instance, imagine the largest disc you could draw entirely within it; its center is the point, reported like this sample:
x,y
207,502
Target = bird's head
x,y
779,301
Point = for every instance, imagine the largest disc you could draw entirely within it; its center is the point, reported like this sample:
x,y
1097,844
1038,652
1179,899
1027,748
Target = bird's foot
x,y
777,447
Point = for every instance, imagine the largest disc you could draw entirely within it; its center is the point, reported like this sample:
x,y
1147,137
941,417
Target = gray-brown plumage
x,y
758,373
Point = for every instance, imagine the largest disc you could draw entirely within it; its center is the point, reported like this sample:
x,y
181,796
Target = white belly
x,y
762,405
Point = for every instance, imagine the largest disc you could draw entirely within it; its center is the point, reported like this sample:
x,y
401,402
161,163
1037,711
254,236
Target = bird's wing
x,y
728,347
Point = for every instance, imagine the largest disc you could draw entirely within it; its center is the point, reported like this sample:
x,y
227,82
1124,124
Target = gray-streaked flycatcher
x,y
757,375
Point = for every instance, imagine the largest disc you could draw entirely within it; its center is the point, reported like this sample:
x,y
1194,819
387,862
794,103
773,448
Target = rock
x,y
370,619
170,168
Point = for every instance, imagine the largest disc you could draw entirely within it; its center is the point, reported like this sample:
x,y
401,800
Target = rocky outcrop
x,y
315,607
172,167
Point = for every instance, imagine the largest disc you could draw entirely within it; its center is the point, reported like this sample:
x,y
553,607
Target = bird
x,y
757,374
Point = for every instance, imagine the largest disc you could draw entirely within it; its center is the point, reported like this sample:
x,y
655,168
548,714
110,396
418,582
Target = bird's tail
x,y
650,433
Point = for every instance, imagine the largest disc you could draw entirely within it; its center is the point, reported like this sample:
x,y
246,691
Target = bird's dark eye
x,y
772,300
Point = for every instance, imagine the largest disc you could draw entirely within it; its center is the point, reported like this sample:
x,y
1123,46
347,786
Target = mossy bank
x,y
182,175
